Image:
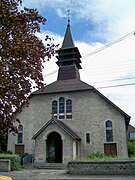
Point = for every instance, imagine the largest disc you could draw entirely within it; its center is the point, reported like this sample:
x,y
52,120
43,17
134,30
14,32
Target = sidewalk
x,y
47,174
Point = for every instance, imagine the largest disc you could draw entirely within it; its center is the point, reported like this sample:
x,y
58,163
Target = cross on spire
x,y
68,13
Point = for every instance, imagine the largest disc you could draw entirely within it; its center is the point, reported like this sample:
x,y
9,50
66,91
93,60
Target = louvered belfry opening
x,y
68,58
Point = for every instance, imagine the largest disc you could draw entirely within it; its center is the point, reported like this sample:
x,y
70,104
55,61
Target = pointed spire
x,y
68,57
68,39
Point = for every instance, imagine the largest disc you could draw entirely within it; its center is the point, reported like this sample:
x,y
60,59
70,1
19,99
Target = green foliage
x,y
101,156
131,148
97,156
22,55
15,160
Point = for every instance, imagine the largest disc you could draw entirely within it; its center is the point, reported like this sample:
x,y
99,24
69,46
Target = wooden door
x,y
19,149
110,149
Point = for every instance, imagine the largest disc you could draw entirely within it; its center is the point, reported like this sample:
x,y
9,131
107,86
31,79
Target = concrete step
x,y
28,166
52,166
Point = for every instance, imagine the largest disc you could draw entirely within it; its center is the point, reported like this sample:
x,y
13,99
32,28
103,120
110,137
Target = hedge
x,y
15,160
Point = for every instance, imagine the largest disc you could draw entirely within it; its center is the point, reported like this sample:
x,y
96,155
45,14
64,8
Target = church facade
x,y
70,118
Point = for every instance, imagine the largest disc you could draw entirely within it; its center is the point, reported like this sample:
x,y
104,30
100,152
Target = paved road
x,y
44,174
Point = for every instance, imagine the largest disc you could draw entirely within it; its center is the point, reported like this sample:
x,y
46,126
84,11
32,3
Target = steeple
x,y
68,58
68,39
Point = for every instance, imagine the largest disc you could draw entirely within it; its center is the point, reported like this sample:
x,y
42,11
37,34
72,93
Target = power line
x,y
130,84
95,70
114,72
49,74
114,69
114,63
100,49
108,45
110,80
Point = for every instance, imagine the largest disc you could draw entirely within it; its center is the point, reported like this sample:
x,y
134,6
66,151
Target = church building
x,y
70,119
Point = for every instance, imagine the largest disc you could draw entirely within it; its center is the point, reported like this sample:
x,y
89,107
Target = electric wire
x,y
130,84
100,49
108,45
118,63
122,68
111,80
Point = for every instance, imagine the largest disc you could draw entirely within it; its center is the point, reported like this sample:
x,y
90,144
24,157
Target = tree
x,y
21,58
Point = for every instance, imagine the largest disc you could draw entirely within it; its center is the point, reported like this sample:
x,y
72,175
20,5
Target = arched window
x,y
109,131
61,108
20,134
68,109
54,108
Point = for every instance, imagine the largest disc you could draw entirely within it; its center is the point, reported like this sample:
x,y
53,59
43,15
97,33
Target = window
x,y
69,109
88,138
54,108
109,131
61,108
20,134
132,135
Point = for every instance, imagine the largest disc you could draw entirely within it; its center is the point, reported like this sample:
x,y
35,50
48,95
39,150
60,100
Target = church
x,y
69,119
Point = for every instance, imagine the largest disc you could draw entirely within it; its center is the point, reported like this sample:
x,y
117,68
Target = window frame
x,y
87,138
62,108
109,131
55,108
68,109
20,134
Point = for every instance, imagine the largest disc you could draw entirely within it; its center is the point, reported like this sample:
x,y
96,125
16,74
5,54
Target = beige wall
x,y
67,143
90,113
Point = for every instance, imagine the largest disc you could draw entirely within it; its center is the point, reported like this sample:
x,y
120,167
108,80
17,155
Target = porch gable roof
x,y
61,125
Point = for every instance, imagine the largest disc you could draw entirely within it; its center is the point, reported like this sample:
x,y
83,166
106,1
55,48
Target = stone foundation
x,y
5,165
119,167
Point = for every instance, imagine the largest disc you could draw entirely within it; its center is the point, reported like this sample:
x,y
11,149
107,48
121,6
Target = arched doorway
x,y
54,148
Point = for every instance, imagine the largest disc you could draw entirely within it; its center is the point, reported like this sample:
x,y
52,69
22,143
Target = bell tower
x,y
68,58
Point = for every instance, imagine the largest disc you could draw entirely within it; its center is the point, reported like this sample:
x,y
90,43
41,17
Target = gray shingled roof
x,y
131,128
61,125
64,86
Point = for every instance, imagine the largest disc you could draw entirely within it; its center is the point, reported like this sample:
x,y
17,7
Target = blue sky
x,y
92,20
94,24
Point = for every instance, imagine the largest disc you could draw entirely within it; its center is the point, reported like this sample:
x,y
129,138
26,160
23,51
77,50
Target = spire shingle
x,y
68,39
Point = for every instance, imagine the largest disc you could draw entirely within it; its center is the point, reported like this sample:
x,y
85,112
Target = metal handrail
x,y
27,160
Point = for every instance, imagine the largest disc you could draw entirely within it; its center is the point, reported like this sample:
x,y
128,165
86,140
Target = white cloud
x,y
115,62
112,20
60,13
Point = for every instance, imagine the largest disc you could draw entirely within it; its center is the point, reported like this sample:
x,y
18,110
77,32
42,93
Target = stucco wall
x,y
67,144
90,112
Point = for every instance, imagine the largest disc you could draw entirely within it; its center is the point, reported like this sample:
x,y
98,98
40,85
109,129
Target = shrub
x,y
15,160
131,148
99,156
